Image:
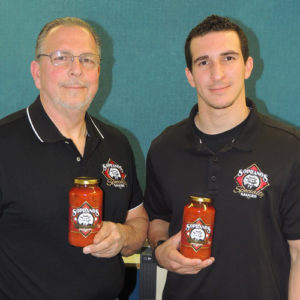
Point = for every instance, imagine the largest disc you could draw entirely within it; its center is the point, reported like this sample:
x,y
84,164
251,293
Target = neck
x,y
70,123
215,121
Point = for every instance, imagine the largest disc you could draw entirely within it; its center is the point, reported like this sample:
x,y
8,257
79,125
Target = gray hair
x,y
66,21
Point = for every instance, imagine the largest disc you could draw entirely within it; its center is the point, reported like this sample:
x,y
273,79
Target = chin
x,y
220,104
80,106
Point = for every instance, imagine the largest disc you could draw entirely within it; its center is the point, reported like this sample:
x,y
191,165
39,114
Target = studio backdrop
x,y
143,87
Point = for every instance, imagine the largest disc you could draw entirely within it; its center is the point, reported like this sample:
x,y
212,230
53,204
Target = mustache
x,y
74,83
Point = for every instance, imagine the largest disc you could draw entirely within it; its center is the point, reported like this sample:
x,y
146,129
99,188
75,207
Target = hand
x,y
170,258
108,241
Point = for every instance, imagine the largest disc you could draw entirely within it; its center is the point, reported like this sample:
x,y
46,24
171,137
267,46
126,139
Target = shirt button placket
x,y
213,173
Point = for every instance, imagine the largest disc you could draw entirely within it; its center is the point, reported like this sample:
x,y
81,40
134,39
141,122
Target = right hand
x,y
168,256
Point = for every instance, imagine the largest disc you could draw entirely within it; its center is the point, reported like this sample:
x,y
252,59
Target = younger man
x,y
248,163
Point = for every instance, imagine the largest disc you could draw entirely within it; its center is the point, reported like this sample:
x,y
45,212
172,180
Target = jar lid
x,y
200,199
86,180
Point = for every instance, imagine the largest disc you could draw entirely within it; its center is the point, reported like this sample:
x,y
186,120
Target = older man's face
x,y
69,86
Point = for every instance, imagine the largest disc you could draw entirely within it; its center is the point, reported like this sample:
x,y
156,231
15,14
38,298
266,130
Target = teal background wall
x,y
143,87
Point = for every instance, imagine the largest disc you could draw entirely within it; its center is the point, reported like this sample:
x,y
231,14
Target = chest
x,y
243,187
37,191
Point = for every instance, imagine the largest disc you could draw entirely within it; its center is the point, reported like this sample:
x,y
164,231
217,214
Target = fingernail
x,y
86,250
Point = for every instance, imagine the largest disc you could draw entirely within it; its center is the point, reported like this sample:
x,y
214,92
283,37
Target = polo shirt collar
x,y
247,138
46,131
245,141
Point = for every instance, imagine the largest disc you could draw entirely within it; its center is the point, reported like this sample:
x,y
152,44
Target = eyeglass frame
x,y
80,57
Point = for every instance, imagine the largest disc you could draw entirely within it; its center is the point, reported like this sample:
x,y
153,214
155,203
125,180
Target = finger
x,y
177,257
103,253
102,233
175,239
208,262
101,246
96,251
192,269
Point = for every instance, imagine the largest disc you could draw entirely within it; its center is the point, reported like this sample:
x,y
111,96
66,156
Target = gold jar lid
x,y
86,180
204,199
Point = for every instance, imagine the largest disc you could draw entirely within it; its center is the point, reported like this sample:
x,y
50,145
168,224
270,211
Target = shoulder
x,y
174,134
280,130
14,120
109,133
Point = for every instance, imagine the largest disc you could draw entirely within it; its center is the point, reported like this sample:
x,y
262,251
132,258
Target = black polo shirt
x,y
37,169
254,181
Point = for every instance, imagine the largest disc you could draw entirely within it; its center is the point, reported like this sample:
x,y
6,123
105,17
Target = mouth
x,y
73,85
76,87
219,89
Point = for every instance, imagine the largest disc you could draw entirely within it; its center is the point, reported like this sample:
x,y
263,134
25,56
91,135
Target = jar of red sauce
x,y
85,211
197,228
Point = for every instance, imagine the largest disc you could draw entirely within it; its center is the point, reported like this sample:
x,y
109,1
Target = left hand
x,y
108,242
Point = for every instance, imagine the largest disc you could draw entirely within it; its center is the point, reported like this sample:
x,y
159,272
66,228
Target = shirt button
x,y
67,142
215,159
78,158
213,178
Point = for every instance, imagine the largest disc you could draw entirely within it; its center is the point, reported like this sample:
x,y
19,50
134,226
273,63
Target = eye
x,y
229,58
203,63
60,58
88,60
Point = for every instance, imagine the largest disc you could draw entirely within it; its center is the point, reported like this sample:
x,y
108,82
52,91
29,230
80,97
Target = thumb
x,y
176,238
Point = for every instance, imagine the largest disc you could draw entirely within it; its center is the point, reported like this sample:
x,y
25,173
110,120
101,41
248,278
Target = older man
x,y
43,148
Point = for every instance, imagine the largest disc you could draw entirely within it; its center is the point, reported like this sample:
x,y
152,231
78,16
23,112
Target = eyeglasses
x,y
63,58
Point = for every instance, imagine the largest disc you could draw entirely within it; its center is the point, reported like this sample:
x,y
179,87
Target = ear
x,y
248,67
35,72
189,77
99,69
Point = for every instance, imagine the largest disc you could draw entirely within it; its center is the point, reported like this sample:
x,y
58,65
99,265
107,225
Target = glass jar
x,y
85,211
197,228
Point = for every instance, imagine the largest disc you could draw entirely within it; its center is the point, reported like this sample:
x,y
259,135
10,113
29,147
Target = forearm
x,y
135,233
294,279
158,230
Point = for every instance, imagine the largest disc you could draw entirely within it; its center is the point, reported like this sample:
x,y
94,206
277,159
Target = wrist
x,y
123,229
154,249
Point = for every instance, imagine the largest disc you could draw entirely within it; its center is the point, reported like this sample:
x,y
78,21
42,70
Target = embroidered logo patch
x,y
114,174
251,182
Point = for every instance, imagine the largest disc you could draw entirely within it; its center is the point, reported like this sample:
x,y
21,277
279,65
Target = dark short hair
x,y
215,23
66,21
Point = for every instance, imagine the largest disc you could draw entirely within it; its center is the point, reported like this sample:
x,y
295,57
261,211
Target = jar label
x,y
198,234
85,218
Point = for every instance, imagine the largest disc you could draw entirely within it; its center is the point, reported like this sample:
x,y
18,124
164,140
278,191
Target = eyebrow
x,y
230,52
200,58
70,52
204,57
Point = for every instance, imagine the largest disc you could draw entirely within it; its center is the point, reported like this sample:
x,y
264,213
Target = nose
x,y
217,71
75,67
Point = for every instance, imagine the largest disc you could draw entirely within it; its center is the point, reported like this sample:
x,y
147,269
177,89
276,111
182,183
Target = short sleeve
x,y
154,203
290,211
136,191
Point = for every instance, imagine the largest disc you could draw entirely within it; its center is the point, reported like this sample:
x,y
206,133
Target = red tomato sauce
x,y
85,211
197,228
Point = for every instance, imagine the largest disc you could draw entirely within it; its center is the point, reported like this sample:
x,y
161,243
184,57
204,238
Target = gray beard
x,y
83,106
